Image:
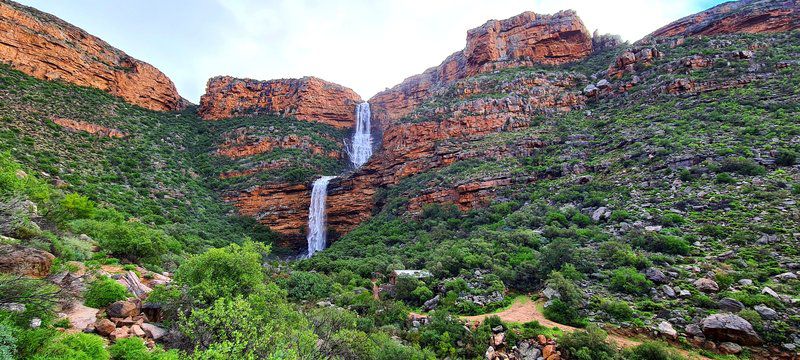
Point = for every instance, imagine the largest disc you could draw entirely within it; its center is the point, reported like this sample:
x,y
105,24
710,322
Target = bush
x,y
724,178
8,343
651,350
224,272
563,313
671,219
741,165
103,292
587,345
786,157
127,240
74,206
618,310
307,286
668,244
630,281
78,346
135,349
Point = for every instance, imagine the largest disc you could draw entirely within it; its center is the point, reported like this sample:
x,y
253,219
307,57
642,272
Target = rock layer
x,y
307,99
46,47
746,16
522,40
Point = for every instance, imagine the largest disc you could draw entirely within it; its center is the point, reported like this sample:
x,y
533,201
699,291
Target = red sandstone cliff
x,y
522,40
746,16
47,47
308,99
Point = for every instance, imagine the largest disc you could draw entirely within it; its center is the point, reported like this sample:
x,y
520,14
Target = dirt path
x,y
525,310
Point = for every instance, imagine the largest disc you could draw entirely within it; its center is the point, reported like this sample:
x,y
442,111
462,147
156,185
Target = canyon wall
x,y
46,47
523,40
307,99
746,16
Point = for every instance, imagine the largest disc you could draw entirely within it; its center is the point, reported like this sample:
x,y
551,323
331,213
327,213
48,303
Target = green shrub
x,y
724,178
741,165
135,349
74,206
651,350
563,313
587,345
620,215
630,281
29,342
671,219
78,346
668,244
224,272
308,286
127,240
104,291
786,157
618,310
422,293
8,343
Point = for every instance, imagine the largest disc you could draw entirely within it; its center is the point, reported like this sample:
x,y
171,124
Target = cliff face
x,y
44,46
307,99
747,16
523,40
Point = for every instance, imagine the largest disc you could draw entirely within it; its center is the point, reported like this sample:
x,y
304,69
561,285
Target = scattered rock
x,y
13,307
656,276
665,328
668,291
746,282
122,309
35,323
706,285
730,327
136,330
731,305
766,312
431,304
104,327
20,260
153,331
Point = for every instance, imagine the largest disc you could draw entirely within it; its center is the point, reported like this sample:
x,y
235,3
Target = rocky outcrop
x,y
307,99
46,47
239,143
94,129
730,327
523,40
745,16
25,261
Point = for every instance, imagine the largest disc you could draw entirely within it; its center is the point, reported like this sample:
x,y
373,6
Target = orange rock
x,y
46,47
548,351
77,125
542,340
759,16
307,99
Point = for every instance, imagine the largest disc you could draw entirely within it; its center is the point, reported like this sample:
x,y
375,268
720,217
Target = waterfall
x,y
317,229
361,147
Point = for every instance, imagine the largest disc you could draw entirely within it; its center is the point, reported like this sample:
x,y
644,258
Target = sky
x,y
367,45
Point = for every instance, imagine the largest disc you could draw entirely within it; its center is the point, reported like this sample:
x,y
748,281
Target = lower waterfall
x,y
317,229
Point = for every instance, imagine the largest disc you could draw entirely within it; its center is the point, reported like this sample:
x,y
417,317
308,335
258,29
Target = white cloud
x,y
367,45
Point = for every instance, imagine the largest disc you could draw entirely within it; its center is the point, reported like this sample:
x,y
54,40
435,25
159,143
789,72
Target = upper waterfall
x,y
317,229
360,148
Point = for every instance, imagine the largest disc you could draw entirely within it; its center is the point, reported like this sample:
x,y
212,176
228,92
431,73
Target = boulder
x,y
730,305
104,327
666,329
729,348
122,309
706,285
136,330
668,291
120,333
20,260
153,331
766,312
730,327
431,304
548,351
656,276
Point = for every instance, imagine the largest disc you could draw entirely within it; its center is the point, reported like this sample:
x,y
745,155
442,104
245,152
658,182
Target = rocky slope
x,y
46,47
307,99
747,16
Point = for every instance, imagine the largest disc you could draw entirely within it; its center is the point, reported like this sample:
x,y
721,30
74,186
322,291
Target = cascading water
x,y
361,148
317,229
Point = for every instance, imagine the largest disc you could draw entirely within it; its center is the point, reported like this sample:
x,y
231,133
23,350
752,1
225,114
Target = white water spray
x,y
317,229
361,148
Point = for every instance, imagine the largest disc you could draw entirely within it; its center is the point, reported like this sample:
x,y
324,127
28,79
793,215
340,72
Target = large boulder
x,y
706,285
731,305
20,260
122,309
730,327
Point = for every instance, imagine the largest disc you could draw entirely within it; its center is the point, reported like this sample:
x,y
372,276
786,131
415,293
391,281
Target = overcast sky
x,y
362,44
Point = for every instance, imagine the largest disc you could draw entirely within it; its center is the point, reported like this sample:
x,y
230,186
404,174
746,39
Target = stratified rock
x,y
730,327
46,47
122,309
26,261
706,285
306,99
746,16
731,305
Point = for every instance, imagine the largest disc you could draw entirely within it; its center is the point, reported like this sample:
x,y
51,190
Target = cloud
x,y
367,45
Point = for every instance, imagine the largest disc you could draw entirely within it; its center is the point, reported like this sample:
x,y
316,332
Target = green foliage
x,y
651,350
618,310
672,219
8,343
786,157
135,349
104,291
260,325
668,244
74,206
78,346
307,286
566,308
38,296
223,273
587,345
741,165
127,240
725,178
630,281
